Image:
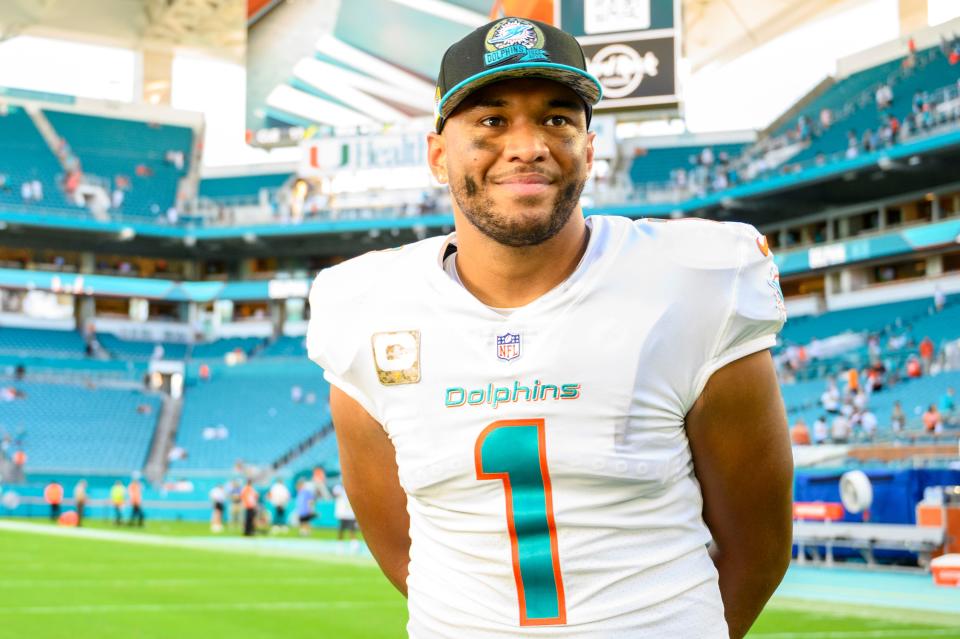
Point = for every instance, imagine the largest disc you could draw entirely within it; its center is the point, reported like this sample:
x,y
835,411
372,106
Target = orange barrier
x,y
817,510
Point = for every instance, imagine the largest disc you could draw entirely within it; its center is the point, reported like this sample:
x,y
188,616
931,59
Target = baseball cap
x,y
511,48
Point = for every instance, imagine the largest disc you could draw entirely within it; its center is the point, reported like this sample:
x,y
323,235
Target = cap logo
x,y
513,38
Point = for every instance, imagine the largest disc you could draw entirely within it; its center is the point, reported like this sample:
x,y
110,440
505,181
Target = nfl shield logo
x,y
508,346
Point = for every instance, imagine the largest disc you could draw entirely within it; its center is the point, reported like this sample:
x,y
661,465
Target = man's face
x,y
516,155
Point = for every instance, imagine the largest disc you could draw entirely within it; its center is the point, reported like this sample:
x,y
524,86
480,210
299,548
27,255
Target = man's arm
x,y
369,466
743,461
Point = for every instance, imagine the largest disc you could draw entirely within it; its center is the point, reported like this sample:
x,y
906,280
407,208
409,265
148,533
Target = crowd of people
x,y
708,172
847,417
239,505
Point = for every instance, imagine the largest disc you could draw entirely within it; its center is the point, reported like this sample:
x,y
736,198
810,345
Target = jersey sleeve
x,y
333,338
756,307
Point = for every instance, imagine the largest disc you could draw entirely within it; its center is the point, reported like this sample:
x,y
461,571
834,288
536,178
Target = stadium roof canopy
x,y
215,27
717,31
338,67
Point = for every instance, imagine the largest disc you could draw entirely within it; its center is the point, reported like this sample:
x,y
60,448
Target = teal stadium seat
x,y
74,427
108,147
253,401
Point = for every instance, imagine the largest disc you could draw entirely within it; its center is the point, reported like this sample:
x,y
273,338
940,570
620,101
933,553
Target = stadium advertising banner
x,y
323,157
632,46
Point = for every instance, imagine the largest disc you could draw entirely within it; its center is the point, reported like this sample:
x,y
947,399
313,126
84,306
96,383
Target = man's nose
x,y
525,143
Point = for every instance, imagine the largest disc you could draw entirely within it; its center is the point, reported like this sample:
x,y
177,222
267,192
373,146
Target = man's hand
x,y
743,461
369,466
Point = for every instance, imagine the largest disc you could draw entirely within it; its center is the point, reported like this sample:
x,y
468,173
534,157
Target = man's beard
x,y
480,210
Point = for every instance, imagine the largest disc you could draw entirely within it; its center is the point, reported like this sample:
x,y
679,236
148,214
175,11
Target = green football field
x,y
76,588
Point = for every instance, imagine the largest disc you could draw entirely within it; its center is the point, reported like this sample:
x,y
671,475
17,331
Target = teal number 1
x,y
515,452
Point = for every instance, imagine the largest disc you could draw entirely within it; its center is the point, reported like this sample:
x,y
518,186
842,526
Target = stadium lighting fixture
x,y
914,160
3,225
885,163
126,234
250,237
189,241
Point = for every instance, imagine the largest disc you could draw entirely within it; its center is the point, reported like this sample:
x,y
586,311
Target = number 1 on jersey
x,y
515,452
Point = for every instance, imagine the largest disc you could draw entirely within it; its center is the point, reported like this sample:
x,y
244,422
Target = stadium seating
x,y
854,105
322,453
25,156
111,147
70,427
254,403
242,186
874,319
34,342
220,347
656,165
285,346
139,351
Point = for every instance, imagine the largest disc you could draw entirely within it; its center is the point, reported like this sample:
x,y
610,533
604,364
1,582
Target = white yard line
x,y
858,634
308,550
196,607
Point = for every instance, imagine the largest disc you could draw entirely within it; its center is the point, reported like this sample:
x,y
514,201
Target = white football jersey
x,y
548,475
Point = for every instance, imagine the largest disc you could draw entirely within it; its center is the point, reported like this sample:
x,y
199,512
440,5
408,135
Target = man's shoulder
x,y
703,244
383,269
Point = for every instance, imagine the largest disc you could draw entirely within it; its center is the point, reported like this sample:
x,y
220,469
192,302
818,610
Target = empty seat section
x,y
249,413
137,151
76,427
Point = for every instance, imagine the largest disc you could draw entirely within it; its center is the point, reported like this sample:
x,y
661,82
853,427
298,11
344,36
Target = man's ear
x,y
591,136
437,156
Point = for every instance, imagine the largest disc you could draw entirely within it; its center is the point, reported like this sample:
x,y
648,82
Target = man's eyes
x,y
553,120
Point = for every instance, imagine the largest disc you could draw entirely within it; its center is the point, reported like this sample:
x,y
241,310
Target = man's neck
x,y
510,277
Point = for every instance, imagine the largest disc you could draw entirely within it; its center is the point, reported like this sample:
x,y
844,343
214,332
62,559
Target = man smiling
x,y
543,420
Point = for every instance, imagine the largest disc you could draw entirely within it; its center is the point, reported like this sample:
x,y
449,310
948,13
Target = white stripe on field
x,y
858,634
294,549
253,605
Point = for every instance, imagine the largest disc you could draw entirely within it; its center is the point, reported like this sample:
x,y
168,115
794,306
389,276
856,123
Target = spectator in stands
x,y
799,433
37,187
204,373
826,118
26,192
305,505
852,144
279,497
830,399
884,96
914,369
135,490
53,495
868,422
926,354
853,380
932,420
118,496
860,401
296,394
939,299
947,404
116,199
250,498
820,430
4,186
898,419
840,430
80,499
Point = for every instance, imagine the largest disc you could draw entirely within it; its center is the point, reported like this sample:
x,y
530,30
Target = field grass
x,y
64,587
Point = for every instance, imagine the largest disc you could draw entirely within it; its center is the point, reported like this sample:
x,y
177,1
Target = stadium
x,y
175,173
